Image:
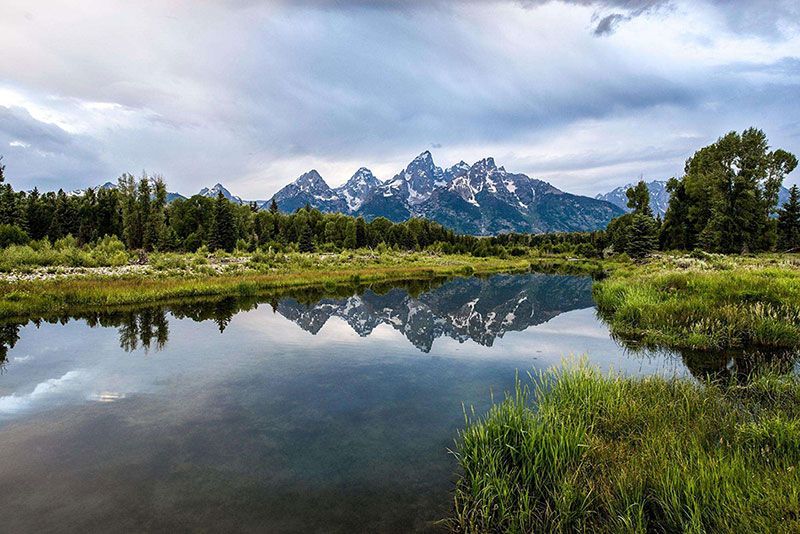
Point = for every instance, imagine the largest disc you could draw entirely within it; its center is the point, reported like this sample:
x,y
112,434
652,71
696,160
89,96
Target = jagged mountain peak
x,y
311,180
218,188
358,188
482,198
486,163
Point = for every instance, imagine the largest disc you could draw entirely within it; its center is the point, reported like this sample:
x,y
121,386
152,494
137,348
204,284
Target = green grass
x,y
170,277
584,452
711,303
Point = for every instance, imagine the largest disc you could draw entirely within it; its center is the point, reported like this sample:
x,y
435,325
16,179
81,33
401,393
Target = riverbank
x,y
697,301
56,290
704,301
583,452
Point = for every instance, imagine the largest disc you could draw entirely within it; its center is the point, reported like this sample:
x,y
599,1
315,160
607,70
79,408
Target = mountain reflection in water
x,y
315,411
474,309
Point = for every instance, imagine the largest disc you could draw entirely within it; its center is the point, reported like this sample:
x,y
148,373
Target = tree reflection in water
x,y
477,309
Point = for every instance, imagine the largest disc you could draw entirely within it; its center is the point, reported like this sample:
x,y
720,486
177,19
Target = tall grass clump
x,y
583,452
700,307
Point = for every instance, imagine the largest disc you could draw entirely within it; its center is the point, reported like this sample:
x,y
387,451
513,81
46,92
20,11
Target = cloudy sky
x,y
587,94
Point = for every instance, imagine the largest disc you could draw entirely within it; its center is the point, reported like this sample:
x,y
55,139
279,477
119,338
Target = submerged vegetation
x,y
583,452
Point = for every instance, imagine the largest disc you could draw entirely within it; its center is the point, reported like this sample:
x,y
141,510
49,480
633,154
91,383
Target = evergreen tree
x,y
223,229
789,222
36,215
2,171
306,243
361,233
8,205
273,207
350,240
59,223
642,236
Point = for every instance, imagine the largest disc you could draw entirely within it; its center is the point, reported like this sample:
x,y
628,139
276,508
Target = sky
x,y
586,94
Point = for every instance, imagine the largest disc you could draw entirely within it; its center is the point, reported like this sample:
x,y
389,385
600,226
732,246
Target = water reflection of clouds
x,y
43,392
210,342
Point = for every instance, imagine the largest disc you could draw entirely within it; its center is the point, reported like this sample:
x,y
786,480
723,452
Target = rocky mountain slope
x,y
479,199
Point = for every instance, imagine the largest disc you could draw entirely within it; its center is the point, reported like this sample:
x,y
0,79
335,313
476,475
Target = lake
x,y
309,412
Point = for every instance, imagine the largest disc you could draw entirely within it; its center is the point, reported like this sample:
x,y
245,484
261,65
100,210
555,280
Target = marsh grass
x,y
578,451
188,276
704,303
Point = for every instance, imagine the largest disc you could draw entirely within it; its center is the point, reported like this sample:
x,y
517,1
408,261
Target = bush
x,y
12,235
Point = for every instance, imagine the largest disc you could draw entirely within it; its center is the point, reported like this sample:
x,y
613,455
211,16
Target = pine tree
x,y
350,235
223,229
306,242
789,222
361,233
642,237
273,207
58,224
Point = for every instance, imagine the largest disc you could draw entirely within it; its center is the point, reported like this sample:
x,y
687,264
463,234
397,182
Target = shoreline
x,y
82,289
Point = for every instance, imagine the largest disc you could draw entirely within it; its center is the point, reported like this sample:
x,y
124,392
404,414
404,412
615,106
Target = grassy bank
x,y
183,276
582,452
705,302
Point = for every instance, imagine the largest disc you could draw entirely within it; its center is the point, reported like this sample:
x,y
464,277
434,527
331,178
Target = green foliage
x,y
12,235
583,452
704,302
725,199
789,222
306,243
639,199
642,236
223,229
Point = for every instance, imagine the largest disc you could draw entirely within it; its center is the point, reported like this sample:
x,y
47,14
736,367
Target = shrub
x,y
11,234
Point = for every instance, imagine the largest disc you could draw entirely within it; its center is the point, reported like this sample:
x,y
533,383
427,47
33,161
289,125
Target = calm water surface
x,y
309,413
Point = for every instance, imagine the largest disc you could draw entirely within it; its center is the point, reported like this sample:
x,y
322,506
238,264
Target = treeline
x,y
726,202
136,212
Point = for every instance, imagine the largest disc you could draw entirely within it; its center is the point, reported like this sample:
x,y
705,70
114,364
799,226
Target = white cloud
x,y
255,93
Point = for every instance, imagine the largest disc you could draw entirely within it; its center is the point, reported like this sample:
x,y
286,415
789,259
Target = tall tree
x,y
361,233
306,242
223,229
789,222
639,199
730,189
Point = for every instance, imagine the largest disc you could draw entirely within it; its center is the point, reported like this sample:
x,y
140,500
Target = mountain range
x,y
477,199
464,309
659,197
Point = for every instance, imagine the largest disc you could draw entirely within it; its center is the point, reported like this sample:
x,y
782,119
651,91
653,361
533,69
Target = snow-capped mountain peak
x,y
482,198
311,182
358,188
218,188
